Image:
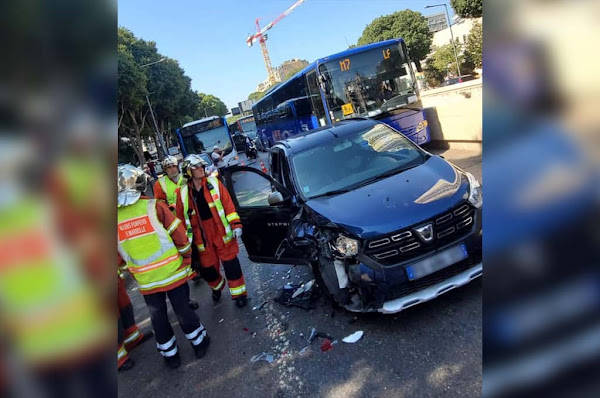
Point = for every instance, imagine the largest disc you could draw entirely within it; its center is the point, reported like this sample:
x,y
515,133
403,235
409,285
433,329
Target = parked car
x,y
384,224
460,79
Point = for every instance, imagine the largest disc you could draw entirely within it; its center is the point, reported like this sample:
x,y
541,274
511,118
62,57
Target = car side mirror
x,y
275,198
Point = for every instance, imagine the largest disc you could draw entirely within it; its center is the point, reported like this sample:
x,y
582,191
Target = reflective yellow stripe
x,y
232,216
182,274
237,290
121,353
173,226
201,248
220,285
133,336
185,248
211,205
150,267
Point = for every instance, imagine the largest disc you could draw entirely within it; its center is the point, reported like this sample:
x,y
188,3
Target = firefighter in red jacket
x,y
154,245
205,205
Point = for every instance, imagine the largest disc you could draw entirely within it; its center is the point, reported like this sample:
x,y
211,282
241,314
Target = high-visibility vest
x,y
169,187
50,312
147,248
216,203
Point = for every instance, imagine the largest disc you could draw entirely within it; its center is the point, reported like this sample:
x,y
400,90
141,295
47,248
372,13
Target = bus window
x,y
315,98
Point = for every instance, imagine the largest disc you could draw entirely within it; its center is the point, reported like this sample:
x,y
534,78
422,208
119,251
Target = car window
x,y
251,189
346,161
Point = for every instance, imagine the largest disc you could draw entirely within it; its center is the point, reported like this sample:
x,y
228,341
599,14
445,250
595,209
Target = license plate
x,y
436,262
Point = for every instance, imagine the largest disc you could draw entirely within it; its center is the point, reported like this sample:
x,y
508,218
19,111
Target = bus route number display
x,y
345,64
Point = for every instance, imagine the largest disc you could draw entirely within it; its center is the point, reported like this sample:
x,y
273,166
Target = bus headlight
x,y
421,126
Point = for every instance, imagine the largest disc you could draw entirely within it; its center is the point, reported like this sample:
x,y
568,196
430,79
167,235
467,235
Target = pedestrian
x,y
164,190
129,335
217,157
206,205
154,245
152,169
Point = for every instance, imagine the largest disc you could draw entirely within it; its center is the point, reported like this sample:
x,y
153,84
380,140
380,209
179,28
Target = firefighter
x,y
164,189
165,186
206,206
129,334
154,245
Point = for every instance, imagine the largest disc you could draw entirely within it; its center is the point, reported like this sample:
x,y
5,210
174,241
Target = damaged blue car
x,y
383,224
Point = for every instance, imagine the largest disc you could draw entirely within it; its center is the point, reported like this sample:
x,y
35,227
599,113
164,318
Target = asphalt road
x,y
430,350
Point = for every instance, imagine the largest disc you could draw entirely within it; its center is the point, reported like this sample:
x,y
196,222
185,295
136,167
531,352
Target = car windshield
x,y
368,83
347,162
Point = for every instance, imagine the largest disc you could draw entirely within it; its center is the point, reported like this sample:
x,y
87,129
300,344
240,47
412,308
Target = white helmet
x,y
192,161
169,161
132,181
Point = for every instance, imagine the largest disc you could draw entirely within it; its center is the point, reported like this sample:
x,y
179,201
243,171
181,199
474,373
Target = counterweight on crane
x,y
261,36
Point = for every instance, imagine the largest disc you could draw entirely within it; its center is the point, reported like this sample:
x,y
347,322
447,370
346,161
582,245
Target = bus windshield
x,y
248,125
203,137
369,83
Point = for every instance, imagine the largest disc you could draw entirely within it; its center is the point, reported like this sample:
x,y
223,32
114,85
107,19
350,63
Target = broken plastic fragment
x,y
262,357
303,351
304,288
326,346
221,320
258,307
313,334
353,338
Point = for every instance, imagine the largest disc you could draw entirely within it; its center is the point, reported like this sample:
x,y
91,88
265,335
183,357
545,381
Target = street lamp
x,y
451,34
160,137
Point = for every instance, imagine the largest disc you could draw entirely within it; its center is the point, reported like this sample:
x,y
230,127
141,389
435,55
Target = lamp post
x,y
451,34
158,133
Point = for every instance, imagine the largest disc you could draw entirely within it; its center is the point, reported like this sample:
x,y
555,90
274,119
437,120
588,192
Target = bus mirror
x,y
275,198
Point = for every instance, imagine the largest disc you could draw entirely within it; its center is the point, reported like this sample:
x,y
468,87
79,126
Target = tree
x,y
474,45
409,25
209,105
130,100
256,95
468,8
443,62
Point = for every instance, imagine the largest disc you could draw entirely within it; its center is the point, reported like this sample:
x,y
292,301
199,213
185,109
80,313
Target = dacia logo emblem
x,y
425,232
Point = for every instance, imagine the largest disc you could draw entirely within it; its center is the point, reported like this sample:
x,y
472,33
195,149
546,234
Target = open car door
x,y
265,226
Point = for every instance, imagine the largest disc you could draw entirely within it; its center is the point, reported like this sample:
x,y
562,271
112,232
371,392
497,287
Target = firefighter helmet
x,y
132,181
169,161
192,161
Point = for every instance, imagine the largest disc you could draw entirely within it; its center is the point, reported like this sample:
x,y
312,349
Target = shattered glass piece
x,y
354,337
262,357
313,335
303,351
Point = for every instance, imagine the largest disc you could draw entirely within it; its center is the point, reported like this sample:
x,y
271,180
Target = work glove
x,y
237,232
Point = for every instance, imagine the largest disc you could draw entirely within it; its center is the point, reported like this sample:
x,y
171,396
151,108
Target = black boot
x,y
241,301
129,364
216,295
201,348
173,362
193,305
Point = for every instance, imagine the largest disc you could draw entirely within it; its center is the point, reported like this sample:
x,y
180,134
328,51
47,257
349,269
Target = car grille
x,y
437,277
405,244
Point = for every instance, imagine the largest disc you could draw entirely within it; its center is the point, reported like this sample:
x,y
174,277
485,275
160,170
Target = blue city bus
x,y
201,136
375,80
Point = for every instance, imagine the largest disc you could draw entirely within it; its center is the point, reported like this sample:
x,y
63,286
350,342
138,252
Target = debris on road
x,y
221,320
262,357
326,345
303,296
258,307
353,320
353,338
246,330
303,351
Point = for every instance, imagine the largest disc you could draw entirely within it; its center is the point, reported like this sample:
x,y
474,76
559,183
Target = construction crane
x,y
261,36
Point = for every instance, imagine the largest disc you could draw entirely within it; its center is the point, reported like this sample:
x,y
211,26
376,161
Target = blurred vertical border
x,y
541,321
58,145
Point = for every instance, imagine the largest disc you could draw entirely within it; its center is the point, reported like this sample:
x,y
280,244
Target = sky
x,y
208,37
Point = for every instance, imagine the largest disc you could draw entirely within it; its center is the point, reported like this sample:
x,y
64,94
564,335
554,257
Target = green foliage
x,y
408,25
443,63
256,95
209,105
474,45
468,8
433,77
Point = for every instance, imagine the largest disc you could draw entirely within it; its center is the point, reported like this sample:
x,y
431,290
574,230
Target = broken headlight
x,y
475,192
346,246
